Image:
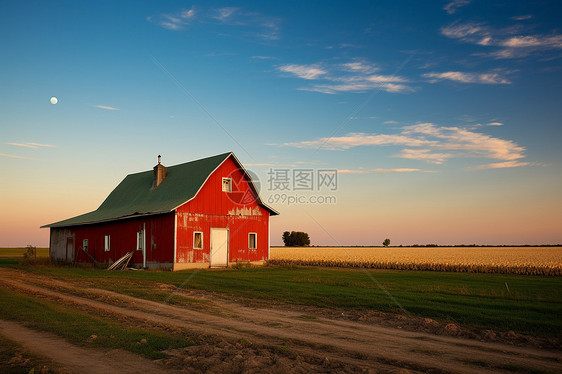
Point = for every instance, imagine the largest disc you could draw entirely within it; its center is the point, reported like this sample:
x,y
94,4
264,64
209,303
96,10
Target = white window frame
x,y
107,243
85,245
229,184
255,240
140,240
194,233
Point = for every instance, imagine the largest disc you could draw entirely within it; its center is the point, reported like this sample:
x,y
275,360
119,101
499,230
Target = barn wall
x,y
159,240
238,211
57,245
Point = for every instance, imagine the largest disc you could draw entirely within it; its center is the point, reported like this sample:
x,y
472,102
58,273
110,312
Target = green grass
x,y
478,301
18,252
78,326
9,261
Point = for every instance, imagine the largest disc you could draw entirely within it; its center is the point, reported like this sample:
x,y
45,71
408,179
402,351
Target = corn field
x,y
501,260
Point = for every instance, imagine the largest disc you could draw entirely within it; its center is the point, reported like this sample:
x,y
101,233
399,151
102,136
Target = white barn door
x,y
219,247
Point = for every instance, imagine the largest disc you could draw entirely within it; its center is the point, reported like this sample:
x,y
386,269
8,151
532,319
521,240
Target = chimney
x,y
159,173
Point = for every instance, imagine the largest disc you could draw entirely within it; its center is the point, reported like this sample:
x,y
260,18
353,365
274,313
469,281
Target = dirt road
x,y
285,340
77,359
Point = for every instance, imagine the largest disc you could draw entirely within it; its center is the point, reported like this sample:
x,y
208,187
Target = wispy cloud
x,y
500,165
554,41
303,71
380,171
187,13
259,165
264,58
425,155
472,143
367,117
105,107
359,67
464,77
522,18
354,76
352,140
357,87
23,145
511,42
254,24
176,21
223,14
14,156
494,124
430,143
454,5
464,31
31,145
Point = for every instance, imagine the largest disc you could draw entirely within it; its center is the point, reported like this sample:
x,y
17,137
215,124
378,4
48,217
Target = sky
x,y
422,122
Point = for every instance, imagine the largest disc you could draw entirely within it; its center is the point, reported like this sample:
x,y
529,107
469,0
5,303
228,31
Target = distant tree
x,y
287,239
302,239
386,242
296,239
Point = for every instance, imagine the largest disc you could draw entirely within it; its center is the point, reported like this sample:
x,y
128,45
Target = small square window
x,y
227,184
252,240
107,243
85,245
197,240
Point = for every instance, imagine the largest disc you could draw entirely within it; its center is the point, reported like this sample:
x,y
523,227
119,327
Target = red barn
x,y
204,213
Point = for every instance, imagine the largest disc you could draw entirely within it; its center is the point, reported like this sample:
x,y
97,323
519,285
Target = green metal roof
x,y
135,196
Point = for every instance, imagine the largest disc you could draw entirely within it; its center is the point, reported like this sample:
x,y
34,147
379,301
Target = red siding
x,y
238,211
159,241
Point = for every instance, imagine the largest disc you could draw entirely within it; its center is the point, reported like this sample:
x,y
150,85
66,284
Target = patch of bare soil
x,y
245,338
411,323
16,359
72,358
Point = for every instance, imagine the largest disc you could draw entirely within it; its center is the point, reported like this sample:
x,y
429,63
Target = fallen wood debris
x,y
122,263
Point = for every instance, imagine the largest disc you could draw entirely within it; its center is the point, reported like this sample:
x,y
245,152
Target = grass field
x,y
18,252
518,309
13,256
516,260
50,316
481,301
527,304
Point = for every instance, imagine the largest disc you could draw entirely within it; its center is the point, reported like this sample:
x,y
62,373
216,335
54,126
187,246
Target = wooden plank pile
x,y
122,263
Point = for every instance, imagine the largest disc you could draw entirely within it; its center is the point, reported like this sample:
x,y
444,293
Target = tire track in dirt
x,y
77,359
150,318
345,341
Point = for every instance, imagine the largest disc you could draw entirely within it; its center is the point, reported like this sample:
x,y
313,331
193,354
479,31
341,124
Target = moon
x,y
54,100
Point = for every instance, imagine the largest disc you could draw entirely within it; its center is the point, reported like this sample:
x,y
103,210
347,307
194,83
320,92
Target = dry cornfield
x,y
504,260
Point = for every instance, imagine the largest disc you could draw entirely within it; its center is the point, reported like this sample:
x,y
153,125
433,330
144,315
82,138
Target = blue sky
x,y
442,118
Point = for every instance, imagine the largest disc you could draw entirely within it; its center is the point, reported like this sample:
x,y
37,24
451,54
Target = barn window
x,y
140,240
252,240
85,245
197,240
227,184
107,243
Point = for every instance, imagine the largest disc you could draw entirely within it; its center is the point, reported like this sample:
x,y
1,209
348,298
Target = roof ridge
x,y
183,163
135,196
